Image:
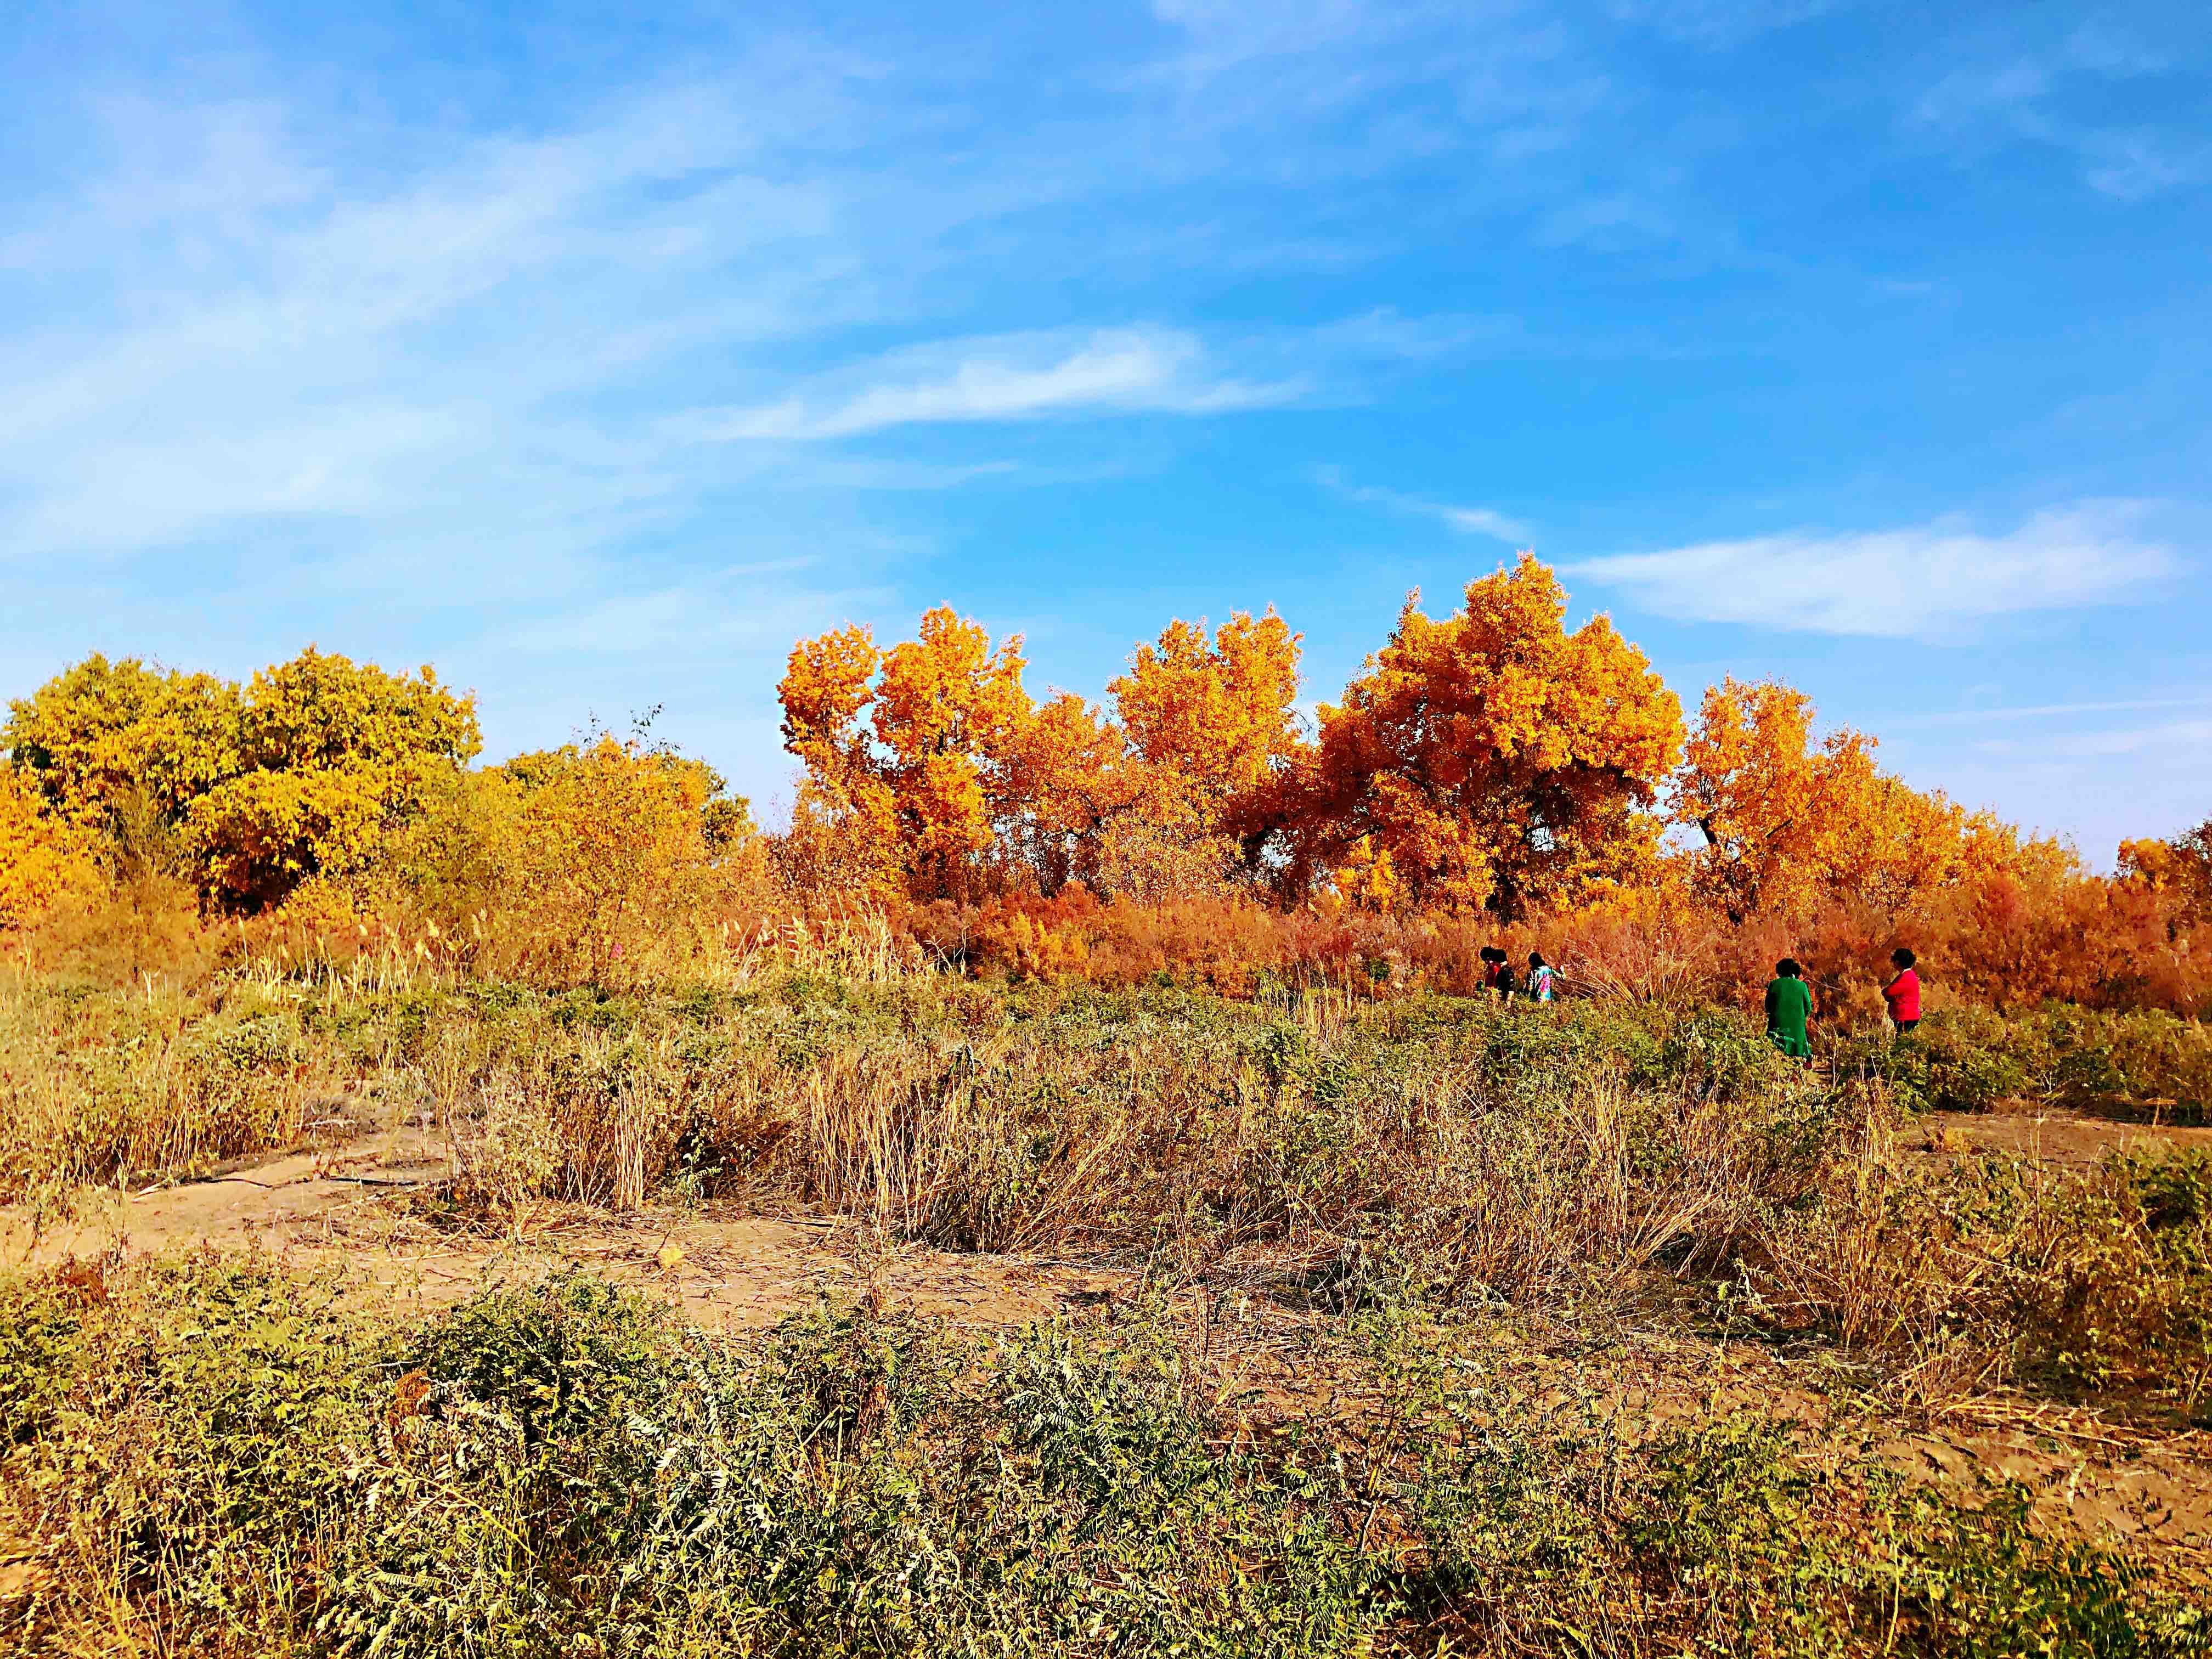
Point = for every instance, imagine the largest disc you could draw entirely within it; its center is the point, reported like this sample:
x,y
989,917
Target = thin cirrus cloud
x,y
2174,738
1003,378
2026,97
1923,581
2049,711
1468,520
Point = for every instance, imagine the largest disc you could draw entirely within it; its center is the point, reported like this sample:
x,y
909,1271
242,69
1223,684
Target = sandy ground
x,y
355,1208
2052,1134
358,1207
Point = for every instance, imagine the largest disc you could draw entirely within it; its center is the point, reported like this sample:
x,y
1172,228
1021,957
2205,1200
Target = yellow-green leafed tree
x,y
334,755
614,848
302,772
102,732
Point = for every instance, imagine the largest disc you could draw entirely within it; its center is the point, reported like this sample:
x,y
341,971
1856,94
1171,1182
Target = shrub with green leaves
x,y
183,1440
1972,1058
207,1455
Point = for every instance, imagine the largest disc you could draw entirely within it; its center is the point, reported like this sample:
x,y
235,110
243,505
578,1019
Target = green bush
x,y
570,1353
829,1491
194,1430
2131,1057
1957,1060
1718,1054
217,1458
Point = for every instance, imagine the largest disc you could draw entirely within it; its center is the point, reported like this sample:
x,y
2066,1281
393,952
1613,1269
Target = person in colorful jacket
x,y
1543,978
1788,1006
1902,993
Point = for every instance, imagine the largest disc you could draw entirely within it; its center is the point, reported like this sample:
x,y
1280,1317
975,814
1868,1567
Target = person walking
x,y
1543,978
1504,979
1902,993
1491,956
1788,1006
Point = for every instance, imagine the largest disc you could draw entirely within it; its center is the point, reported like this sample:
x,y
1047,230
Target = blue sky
x,y
595,353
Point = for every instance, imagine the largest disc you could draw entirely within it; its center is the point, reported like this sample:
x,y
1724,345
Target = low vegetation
x,y
204,1454
1446,1151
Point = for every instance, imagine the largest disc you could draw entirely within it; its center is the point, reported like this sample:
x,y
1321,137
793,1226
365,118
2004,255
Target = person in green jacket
x,y
1789,1006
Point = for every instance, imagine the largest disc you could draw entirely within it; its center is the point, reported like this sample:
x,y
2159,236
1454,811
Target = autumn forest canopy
x,y
1488,772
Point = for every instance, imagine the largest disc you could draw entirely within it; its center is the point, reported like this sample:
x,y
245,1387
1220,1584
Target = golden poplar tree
x,y
936,767
334,755
1213,731
302,772
1786,824
2180,870
43,857
1496,758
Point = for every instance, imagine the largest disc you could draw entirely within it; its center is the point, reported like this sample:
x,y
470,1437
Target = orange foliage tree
x,y
938,767
1216,722
43,857
1496,759
2180,870
1787,823
1754,786
1072,791
933,750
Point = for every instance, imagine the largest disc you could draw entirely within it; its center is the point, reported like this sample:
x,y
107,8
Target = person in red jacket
x,y
1902,993
1492,957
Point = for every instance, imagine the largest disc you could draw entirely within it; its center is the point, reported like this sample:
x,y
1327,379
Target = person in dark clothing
x,y
1491,956
1505,980
1788,1006
1902,993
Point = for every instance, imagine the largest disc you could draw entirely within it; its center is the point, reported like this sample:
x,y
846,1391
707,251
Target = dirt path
x,y
356,1208
2052,1134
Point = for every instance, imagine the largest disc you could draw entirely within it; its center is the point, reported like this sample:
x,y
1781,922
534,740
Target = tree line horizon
x,y
1490,762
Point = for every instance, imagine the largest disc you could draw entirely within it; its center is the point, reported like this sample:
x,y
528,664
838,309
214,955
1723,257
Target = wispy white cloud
x,y
2133,166
1468,520
1220,34
1720,23
2173,737
1003,378
2023,96
1923,581
1386,333
2049,711
759,605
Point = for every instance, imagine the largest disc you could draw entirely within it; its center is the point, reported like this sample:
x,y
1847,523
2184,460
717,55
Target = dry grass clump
x,y
1318,1146
101,1089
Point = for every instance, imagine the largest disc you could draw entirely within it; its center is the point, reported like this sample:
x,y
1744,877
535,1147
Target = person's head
x,y
1789,968
1535,958
1902,959
1491,953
